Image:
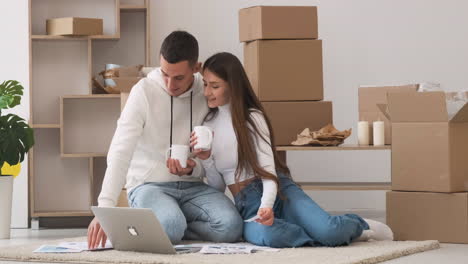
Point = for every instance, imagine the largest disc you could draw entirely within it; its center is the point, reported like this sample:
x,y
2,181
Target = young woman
x,y
244,158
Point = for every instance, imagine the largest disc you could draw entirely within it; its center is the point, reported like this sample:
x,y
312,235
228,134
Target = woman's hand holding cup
x,y
199,153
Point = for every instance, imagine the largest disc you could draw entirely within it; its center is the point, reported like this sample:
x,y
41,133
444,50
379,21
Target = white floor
x,y
448,253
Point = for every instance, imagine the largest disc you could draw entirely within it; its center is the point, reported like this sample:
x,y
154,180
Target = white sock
x,y
365,236
380,230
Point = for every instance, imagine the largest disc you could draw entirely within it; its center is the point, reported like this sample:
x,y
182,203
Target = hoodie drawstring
x,y
172,114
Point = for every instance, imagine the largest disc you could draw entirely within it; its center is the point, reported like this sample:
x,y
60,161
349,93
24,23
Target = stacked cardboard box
x,y
283,60
429,198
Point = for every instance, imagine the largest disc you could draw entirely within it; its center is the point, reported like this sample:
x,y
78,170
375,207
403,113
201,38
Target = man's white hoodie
x,y
138,148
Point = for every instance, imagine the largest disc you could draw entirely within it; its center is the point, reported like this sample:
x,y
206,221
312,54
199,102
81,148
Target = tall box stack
x,y
283,60
429,198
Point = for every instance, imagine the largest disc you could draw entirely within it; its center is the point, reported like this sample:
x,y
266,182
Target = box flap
x,y
369,96
384,109
461,116
125,84
417,107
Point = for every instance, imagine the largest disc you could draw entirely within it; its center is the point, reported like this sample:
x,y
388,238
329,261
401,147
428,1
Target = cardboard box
x,y
428,216
278,22
285,70
288,119
370,96
429,150
74,26
124,85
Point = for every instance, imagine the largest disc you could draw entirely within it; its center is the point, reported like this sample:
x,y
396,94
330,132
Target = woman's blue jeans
x,y
299,221
190,210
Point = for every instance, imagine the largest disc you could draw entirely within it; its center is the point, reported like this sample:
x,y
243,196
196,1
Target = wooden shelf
x,y
132,30
88,123
96,37
64,183
91,96
132,8
49,37
344,186
45,125
58,68
99,166
62,213
74,127
84,155
341,147
105,37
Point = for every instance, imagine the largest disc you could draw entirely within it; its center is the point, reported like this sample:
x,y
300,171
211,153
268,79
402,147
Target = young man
x,y
162,110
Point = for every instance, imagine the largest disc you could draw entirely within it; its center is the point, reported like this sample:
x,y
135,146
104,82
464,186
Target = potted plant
x,y
16,138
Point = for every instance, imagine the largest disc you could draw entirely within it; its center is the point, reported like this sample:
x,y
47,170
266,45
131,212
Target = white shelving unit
x,y
73,126
334,178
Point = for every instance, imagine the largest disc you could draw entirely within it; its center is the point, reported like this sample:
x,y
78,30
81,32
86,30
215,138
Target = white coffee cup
x,y
204,136
179,152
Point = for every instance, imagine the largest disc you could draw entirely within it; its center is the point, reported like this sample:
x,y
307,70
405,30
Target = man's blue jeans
x,y
190,210
299,221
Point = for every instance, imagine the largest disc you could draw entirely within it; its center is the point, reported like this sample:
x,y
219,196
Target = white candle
x,y
363,133
379,133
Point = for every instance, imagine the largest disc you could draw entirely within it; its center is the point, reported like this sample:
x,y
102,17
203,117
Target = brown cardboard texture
x,y
278,22
428,216
125,84
428,150
285,70
370,96
76,26
288,119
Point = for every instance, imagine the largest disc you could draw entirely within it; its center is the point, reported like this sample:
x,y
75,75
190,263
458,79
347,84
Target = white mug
x,y
111,66
204,136
179,152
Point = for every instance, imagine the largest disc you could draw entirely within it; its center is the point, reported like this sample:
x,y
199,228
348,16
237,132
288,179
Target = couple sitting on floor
x,y
162,110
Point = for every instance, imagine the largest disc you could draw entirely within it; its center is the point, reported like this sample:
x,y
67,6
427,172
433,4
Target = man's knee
x,y
174,226
231,228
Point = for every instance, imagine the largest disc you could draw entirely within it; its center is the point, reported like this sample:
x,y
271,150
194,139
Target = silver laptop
x,y
135,229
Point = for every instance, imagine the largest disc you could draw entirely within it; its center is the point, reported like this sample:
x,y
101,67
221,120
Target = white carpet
x,y
362,252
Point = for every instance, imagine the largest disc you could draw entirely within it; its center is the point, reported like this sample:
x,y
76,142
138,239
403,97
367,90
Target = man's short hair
x,y
180,46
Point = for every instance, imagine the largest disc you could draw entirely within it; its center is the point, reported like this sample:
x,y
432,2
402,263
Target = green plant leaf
x,y
10,94
16,138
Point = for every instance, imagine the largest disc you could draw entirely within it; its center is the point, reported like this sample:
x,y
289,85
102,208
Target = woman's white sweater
x,y
220,167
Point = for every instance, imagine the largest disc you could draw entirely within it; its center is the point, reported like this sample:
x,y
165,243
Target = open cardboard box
x,y
429,149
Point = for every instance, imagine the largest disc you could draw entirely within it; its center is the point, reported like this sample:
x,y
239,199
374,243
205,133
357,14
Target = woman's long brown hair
x,y
243,101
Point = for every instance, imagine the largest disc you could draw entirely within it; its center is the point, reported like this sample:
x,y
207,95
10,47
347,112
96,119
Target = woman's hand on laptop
x,y
96,235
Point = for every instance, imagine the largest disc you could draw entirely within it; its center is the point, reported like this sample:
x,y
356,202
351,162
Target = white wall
x,y
364,41
14,65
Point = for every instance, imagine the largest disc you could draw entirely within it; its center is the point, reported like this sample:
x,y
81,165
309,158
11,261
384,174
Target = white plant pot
x,y
6,193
